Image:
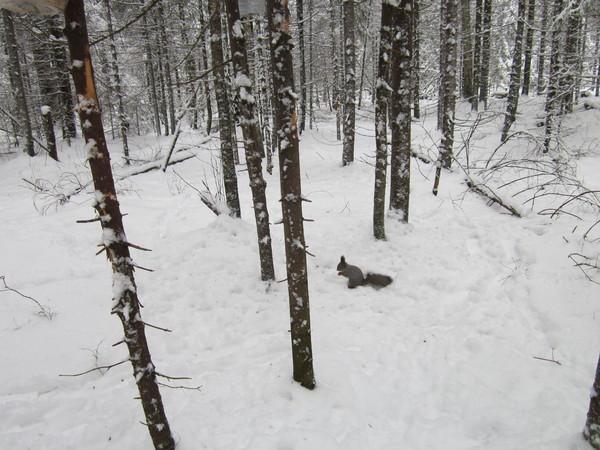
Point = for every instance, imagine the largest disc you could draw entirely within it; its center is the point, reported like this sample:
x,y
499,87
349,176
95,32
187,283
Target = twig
x,y
108,367
189,388
167,377
546,359
44,311
157,327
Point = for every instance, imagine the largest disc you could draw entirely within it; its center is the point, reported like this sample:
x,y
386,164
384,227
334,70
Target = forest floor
x,y
444,358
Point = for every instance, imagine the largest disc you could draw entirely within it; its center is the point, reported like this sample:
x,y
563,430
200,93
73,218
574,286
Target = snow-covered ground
x,y
441,359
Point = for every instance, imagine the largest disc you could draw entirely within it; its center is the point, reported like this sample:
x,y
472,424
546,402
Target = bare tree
x,y
528,46
125,300
350,81
291,192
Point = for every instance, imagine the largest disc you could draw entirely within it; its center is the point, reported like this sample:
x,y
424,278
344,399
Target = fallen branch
x,y
100,368
487,192
43,310
204,198
546,359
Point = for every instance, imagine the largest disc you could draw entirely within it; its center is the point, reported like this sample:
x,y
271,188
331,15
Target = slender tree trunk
x,y
552,96
477,55
123,121
291,192
591,432
311,87
597,92
48,125
224,109
336,68
541,83
364,53
449,82
125,300
167,64
300,24
401,77
442,69
485,52
149,65
381,110
164,113
571,60
16,79
416,60
190,64
252,138
206,86
528,46
350,82
467,49
515,73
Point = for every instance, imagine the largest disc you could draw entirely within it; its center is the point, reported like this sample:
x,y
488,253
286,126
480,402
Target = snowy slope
x,y
441,359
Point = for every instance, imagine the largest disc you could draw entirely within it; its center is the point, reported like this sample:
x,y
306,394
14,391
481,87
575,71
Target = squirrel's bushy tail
x,y
378,280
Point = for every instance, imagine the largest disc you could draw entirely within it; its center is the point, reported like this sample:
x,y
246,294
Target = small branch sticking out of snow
x,y
43,310
100,368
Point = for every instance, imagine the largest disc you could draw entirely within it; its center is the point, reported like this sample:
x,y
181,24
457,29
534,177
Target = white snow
x,y
443,358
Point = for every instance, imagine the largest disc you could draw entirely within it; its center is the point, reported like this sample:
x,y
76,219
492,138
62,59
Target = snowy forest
x,y
307,224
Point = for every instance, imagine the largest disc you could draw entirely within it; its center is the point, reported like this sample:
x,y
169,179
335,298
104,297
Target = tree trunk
x,y
123,122
381,110
167,65
125,301
591,432
571,59
16,80
48,125
224,109
477,55
597,92
449,83
190,64
336,68
291,192
552,96
364,53
485,52
301,48
515,73
416,60
252,137
401,77
206,85
149,65
442,49
350,82
541,84
467,50
528,46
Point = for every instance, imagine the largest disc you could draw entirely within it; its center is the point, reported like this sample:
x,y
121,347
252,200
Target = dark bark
x,y
512,101
364,53
125,302
149,66
552,96
400,76
528,46
248,118
350,82
381,110
48,125
449,83
123,121
16,80
597,89
591,432
541,82
467,49
485,52
206,85
571,59
442,49
477,55
301,48
291,192
190,64
335,61
416,67
167,65
226,124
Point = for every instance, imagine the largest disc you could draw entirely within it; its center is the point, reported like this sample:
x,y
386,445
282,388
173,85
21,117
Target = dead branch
x,y
157,327
487,192
100,368
204,197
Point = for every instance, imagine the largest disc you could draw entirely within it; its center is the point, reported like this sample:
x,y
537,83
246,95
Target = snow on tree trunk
x,y
512,101
204,57
224,109
449,84
381,110
125,300
16,80
301,48
400,118
541,82
477,55
552,95
248,118
48,125
528,46
442,49
571,59
335,61
190,64
485,52
467,49
166,58
123,122
291,193
416,63
149,66
349,82
591,432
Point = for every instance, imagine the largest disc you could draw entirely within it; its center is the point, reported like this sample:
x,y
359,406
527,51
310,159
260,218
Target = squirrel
x,y
356,277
